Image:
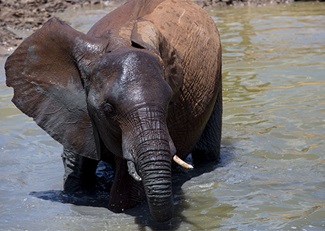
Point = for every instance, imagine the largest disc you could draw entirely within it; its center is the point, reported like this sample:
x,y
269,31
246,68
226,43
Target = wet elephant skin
x,y
142,85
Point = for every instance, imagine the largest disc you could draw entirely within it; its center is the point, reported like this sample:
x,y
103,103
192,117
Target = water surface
x,y
273,168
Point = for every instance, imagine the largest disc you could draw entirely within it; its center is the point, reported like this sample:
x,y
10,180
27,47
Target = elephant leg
x,y
79,172
208,147
126,192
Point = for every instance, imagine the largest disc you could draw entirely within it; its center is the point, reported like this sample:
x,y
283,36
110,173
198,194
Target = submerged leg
x,y
208,147
126,192
79,172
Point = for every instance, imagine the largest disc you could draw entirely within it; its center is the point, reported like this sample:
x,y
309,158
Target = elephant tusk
x,y
182,163
132,171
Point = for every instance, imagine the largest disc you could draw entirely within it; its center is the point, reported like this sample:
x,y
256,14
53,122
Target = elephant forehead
x,y
132,89
140,74
131,68
127,91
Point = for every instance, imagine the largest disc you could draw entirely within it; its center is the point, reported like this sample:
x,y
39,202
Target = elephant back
x,y
193,34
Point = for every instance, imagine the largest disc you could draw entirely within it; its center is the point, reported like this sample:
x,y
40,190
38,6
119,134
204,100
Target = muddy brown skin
x,y
143,84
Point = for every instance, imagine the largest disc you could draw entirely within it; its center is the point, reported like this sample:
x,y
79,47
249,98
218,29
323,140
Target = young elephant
x,y
142,85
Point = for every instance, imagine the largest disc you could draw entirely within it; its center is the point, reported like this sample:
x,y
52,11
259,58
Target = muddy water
x,y
273,169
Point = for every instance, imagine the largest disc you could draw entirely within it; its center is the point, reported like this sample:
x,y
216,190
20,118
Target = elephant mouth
x,y
133,172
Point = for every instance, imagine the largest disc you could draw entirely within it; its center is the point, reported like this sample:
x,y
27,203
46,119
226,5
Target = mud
x,y
253,3
29,15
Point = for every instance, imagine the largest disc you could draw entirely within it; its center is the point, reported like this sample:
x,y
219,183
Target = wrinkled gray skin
x,y
141,85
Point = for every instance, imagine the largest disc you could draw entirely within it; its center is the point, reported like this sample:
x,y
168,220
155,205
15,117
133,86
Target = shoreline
x,y
21,17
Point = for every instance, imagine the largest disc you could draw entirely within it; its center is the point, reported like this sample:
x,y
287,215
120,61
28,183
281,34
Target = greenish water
x,y
272,176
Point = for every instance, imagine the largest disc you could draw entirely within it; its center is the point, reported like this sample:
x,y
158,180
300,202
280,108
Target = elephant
x,y
140,90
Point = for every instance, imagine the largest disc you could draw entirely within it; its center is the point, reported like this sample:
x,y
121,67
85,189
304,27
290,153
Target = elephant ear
x,y
146,35
44,74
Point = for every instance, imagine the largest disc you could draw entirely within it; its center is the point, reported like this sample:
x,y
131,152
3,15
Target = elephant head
x,y
84,90
127,96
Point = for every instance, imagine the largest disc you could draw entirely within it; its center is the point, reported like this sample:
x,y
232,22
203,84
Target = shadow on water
x,y
97,198
141,214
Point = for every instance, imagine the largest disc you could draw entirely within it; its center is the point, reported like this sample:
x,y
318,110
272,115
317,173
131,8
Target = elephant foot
x,y
125,193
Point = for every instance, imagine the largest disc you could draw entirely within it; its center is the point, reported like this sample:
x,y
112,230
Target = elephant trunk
x,y
155,169
147,143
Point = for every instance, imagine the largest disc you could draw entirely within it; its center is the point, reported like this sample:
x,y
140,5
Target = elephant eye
x,y
108,108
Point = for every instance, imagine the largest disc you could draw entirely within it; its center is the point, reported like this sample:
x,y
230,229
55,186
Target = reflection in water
x,y
272,174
